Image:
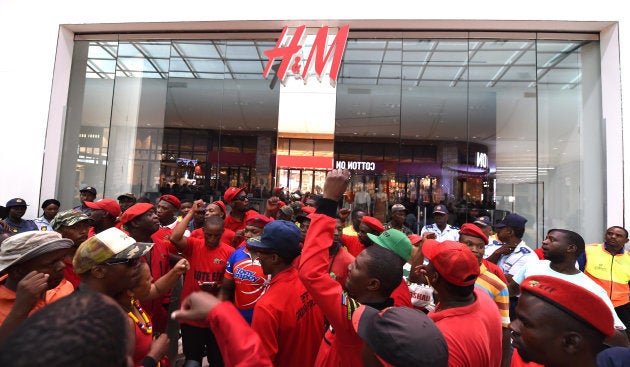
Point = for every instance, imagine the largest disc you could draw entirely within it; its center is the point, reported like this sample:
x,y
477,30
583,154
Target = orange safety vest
x,y
611,272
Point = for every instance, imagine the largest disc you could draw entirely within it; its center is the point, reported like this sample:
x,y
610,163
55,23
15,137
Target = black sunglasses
x,y
241,198
129,262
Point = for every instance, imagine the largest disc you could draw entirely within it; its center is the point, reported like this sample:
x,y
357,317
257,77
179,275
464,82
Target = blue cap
x,y
483,220
88,189
16,202
512,220
280,236
440,208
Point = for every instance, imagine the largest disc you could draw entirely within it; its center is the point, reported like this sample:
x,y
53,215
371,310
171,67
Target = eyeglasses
x,y
241,198
129,262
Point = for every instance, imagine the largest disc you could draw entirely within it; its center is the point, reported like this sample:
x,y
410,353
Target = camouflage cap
x,y
68,218
112,243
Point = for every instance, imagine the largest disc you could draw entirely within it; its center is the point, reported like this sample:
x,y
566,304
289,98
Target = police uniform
x,y
43,224
513,262
450,233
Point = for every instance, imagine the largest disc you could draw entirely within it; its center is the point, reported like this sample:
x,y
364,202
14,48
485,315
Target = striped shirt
x,y
497,290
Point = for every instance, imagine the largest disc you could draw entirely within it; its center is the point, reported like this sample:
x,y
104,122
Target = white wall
x,y
35,48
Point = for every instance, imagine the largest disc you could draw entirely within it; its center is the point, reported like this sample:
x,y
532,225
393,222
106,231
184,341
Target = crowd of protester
x,y
120,282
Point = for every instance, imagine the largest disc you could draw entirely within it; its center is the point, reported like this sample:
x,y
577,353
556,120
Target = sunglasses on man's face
x,y
129,262
240,198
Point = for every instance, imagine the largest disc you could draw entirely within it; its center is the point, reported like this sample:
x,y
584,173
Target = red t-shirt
x,y
206,265
473,333
69,273
226,237
290,324
234,224
353,244
159,264
339,266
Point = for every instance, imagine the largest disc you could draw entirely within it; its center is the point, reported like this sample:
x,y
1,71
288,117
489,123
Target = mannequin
x,y
362,199
380,204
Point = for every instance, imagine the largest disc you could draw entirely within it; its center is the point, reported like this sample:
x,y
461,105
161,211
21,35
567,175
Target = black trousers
x,y
195,340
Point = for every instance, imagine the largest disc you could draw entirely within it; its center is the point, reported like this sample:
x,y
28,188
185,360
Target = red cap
x,y
373,223
453,260
231,193
414,238
172,200
472,230
573,299
221,205
258,220
109,205
135,211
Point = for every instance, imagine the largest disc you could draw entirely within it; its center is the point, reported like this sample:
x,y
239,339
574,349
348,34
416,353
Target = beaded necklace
x,y
146,327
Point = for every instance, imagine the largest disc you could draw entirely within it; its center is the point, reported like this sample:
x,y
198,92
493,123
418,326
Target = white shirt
x,y
449,233
514,261
543,267
43,224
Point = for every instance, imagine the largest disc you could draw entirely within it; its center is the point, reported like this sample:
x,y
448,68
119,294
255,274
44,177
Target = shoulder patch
x,y
525,250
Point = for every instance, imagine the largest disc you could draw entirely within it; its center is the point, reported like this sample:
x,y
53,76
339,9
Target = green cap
x,y
394,240
68,218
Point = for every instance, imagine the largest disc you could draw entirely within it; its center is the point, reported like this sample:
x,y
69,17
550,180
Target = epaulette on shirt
x,y
524,250
454,227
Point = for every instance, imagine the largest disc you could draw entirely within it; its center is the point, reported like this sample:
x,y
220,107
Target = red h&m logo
x,y
291,53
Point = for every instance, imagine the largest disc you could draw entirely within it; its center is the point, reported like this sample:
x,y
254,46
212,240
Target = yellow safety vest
x,y
611,272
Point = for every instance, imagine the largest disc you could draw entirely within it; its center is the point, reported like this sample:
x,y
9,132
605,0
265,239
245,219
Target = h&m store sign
x,y
322,52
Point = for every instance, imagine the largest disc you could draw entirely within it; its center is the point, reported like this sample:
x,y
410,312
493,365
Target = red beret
x,y
472,230
135,211
373,223
414,238
258,220
221,205
109,205
573,299
231,193
453,260
172,200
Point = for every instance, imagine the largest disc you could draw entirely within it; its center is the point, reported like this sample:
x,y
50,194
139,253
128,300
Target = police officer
x,y
440,230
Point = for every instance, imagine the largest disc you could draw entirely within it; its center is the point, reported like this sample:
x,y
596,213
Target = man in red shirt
x,y
371,279
236,198
559,323
466,315
208,257
104,213
356,244
286,317
141,221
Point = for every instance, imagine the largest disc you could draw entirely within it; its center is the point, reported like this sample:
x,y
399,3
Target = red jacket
x,y
343,348
288,321
240,345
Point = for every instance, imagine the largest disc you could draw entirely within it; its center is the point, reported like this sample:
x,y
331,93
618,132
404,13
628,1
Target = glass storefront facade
x,y
496,122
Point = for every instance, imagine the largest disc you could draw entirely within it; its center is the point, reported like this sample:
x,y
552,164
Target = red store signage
x,y
318,56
